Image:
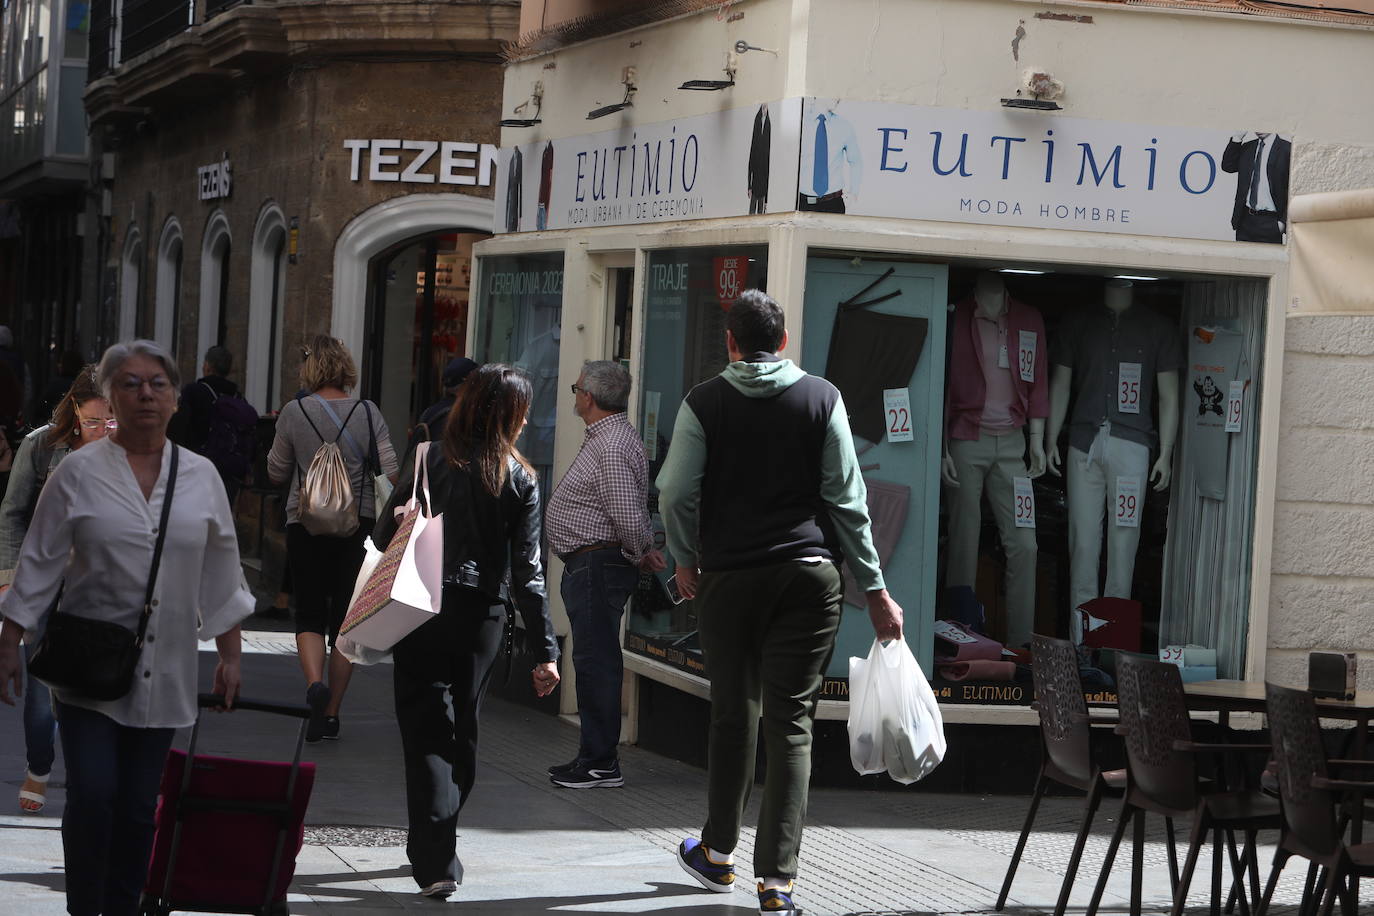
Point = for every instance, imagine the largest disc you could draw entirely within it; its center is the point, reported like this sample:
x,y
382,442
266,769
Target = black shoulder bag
x,y
96,659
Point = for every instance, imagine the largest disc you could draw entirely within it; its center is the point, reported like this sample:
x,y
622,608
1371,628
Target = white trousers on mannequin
x,y
988,465
1092,499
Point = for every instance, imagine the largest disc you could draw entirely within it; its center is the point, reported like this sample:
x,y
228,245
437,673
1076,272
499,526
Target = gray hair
x,y
118,354
608,383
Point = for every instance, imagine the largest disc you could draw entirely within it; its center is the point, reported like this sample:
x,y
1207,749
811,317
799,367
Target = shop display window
x,y
686,294
521,321
1116,543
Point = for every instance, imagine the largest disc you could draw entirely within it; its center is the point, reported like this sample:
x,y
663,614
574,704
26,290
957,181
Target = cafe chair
x,y
1312,827
1066,755
1162,777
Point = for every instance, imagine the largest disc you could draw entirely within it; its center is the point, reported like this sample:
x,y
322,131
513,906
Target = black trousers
x,y
1259,226
441,674
323,571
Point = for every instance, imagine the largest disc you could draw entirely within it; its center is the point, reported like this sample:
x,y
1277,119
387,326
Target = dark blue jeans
x,y
40,728
113,773
595,587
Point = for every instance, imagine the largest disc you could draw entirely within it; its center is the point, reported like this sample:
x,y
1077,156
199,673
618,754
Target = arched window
x,y
167,317
266,304
214,283
130,283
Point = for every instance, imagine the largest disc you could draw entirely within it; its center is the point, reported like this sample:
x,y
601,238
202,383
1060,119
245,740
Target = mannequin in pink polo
x,y
997,398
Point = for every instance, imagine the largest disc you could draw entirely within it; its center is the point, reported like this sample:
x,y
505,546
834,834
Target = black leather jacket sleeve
x,y
527,568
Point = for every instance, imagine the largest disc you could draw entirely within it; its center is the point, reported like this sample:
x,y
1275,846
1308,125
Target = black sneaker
x,y
558,769
778,900
316,697
331,728
584,776
691,855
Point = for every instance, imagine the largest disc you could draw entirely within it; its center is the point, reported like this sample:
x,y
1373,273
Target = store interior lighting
x,y
1020,270
537,97
1131,277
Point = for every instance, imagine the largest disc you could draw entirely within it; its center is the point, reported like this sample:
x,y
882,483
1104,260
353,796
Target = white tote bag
x,y
405,587
355,653
895,725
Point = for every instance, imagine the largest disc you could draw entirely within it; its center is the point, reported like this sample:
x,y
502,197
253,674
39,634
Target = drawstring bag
x,y
327,506
894,722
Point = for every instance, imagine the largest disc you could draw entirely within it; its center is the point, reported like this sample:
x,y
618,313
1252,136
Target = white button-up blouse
x,y
93,528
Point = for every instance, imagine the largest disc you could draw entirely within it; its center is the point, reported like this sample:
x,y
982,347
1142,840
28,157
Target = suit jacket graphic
x,y
759,148
513,197
1240,158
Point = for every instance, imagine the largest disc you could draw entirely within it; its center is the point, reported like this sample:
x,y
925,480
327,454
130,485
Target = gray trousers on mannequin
x,y
1092,498
989,464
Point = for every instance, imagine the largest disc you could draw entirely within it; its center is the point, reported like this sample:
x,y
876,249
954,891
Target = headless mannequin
x,y
984,448
1094,473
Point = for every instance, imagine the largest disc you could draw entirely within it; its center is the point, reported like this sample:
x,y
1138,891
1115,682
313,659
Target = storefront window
x,y
521,322
1133,533
686,295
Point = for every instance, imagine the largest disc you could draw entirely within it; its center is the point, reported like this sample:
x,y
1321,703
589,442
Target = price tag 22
x,y
1025,355
1128,502
1128,388
1025,502
897,411
1235,407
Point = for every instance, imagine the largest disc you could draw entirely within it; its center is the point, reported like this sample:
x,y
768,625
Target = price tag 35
x,y
1128,502
1025,502
1128,388
897,410
1235,407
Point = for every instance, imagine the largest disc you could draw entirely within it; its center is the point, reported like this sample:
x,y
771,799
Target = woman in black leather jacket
x,y
490,503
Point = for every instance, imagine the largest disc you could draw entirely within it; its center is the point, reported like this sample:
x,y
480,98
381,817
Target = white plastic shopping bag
x,y
405,588
894,722
354,652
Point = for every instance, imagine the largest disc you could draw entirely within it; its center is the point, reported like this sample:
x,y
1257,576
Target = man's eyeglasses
x,y
132,384
94,423
576,388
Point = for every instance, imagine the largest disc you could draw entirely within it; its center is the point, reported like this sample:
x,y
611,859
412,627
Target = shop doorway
x,y
416,322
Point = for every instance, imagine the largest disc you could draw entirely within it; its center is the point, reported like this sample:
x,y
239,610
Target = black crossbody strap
x,y
157,547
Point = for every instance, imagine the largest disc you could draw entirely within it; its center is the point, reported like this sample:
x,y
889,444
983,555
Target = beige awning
x,y
1332,248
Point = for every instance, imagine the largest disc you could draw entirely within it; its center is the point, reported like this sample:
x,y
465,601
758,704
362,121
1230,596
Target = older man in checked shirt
x,y
598,524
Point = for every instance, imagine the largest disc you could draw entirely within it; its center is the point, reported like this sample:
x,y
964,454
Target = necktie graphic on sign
x,y
820,168
1256,174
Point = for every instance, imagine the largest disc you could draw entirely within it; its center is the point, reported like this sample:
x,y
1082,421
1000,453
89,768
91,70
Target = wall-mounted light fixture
x,y
1043,89
712,85
537,97
1020,270
628,78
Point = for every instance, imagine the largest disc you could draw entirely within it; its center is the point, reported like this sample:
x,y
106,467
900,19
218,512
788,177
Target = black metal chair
x,y
1313,827
1066,752
1162,777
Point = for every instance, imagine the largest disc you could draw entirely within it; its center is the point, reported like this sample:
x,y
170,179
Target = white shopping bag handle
x,y
421,470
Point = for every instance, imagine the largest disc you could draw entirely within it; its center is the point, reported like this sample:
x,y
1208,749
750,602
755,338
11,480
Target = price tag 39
x,y
1128,388
897,410
1025,355
1235,407
1025,502
1128,502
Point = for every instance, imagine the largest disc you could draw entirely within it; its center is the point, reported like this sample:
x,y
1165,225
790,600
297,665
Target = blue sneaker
x,y
691,855
778,900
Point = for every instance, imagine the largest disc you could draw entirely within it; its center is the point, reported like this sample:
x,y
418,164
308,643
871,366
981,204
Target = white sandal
x,y
39,798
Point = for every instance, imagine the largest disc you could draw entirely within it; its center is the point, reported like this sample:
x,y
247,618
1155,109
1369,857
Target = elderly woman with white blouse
x,y
92,535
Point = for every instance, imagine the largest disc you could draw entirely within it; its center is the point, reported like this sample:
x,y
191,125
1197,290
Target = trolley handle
x,y
216,701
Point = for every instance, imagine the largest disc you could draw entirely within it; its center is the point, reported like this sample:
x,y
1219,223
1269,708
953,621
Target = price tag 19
x,y
1025,355
1128,502
1235,407
897,411
1025,502
1128,388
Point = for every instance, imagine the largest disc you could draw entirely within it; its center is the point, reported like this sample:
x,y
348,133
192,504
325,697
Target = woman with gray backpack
x,y
332,448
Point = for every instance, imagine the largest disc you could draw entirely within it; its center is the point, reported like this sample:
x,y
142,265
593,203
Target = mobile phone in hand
x,y
674,595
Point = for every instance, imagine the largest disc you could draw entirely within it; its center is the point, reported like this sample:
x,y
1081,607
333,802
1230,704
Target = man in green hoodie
x,y
762,499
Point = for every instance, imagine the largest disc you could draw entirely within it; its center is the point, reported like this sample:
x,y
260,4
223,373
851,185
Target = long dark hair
x,y
64,421
487,416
